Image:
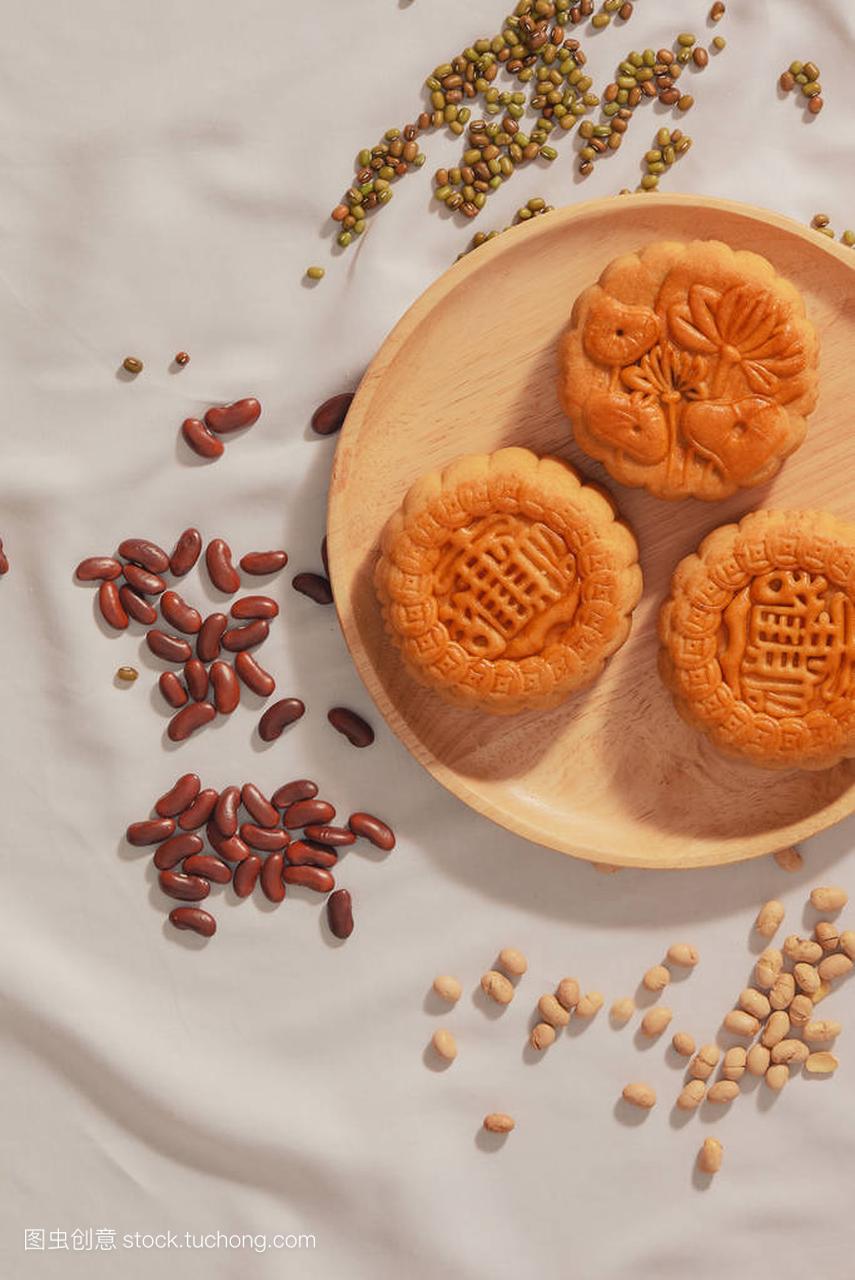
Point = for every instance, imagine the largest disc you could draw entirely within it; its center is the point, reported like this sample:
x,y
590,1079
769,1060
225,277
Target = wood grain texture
x,y
613,775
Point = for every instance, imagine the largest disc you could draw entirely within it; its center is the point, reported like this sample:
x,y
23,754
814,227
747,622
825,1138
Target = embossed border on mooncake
x,y
758,639
506,582
689,369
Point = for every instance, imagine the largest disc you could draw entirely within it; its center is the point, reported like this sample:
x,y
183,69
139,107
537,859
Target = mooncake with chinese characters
x,y
758,639
506,582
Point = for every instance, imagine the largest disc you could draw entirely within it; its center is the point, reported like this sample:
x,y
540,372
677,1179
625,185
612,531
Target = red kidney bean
x,y
246,874
272,885
261,562
254,676
186,888
226,812
145,553
179,614
290,792
302,812
325,556
231,417
226,687
140,610
233,849
194,918
237,639
206,865
379,833
176,849
275,718
110,604
196,676
223,574
263,838
313,585
170,648
302,854
189,719
357,731
202,441
151,831
340,913
317,878
95,567
4,560
179,796
323,834
172,689
258,806
188,548
199,811
329,417
254,607
210,634
147,584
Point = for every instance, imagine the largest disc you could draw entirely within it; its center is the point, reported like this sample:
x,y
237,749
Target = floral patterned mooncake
x,y
689,369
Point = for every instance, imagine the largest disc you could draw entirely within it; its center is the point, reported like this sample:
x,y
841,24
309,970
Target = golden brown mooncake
x,y
689,369
758,639
506,582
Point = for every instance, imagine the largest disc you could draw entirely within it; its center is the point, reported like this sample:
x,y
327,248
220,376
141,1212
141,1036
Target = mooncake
x,y
506,582
758,639
689,369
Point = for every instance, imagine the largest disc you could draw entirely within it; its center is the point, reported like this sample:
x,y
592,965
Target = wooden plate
x,y
613,775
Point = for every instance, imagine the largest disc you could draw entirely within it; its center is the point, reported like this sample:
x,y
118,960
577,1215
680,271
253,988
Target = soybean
x,y
447,988
513,962
711,1153
444,1044
497,987
640,1095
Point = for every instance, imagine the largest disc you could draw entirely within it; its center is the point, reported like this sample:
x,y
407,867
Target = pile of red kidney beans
x,y
211,684
287,840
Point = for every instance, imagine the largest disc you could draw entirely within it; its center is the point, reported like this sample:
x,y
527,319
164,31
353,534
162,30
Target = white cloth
x,y
166,172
